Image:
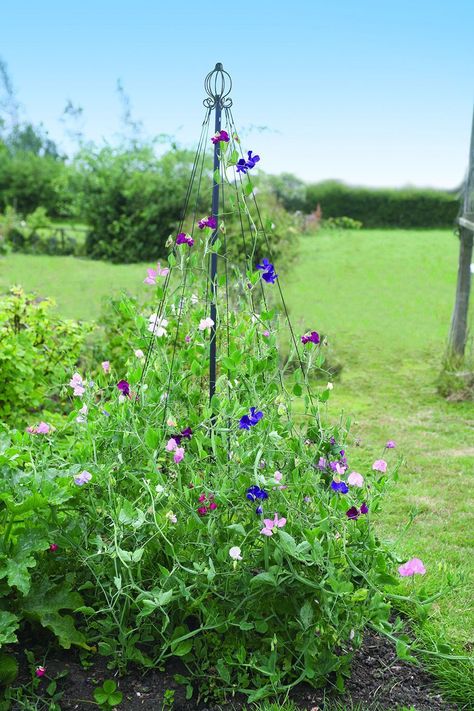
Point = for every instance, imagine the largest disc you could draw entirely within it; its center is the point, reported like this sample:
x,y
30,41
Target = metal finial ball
x,y
218,85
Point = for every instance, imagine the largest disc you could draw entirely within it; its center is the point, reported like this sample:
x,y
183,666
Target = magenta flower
x,y
380,465
310,337
124,387
220,136
202,510
208,222
390,444
82,478
153,274
40,671
183,238
414,566
355,479
53,547
270,524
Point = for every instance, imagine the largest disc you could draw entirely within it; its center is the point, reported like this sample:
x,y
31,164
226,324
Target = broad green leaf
x,y
306,615
152,438
9,623
248,188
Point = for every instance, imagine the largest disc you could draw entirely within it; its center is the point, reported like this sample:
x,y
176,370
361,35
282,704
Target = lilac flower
x,y
380,465
154,273
124,387
268,271
82,478
106,366
322,464
244,165
255,492
390,444
183,238
310,337
208,222
339,486
248,421
412,567
220,136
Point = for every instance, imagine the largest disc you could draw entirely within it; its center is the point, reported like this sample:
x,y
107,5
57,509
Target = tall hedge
x,y
383,207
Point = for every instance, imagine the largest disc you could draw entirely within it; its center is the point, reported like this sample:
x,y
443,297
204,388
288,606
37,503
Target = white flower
x,y
329,386
159,489
82,416
235,553
171,517
157,326
206,323
139,353
194,299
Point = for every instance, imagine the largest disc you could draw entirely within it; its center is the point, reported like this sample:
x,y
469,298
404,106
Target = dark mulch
x,y
379,680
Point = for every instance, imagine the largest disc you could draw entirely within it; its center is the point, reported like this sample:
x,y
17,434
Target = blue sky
x,y
372,92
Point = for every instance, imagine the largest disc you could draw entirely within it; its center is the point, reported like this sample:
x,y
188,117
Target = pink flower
x,y
53,547
154,273
171,446
339,468
105,366
355,479
42,428
390,444
40,671
77,384
278,476
179,454
188,339
270,525
202,510
412,567
206,323
380,465
266,334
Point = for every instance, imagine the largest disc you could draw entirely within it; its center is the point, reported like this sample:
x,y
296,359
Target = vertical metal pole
x,y
213,270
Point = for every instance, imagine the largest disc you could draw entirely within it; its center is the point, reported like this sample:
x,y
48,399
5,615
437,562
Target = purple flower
x,y
332,440
208,222
220,136
255,492
322,464
268,271
339,486
124,387
364,509
248,421
183,238
184,434
353,513
82,478
390,444
244,165
310,337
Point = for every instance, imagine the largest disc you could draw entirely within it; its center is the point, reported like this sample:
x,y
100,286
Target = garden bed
x,y
379,681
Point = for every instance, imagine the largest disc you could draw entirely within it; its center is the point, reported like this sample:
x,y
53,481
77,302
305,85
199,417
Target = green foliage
x,y
39,350
107,695
132,201
342,223
404,207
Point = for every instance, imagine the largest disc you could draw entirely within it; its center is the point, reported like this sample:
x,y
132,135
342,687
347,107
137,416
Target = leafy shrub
x,y
405,207
36,347
342,223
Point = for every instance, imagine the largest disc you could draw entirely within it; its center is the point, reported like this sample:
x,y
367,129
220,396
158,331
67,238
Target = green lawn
x,y
384,300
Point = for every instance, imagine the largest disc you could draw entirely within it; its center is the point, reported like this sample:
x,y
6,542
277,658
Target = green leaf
x,y
217,176
8,669
45,603
297,390
386,579
109,686
181,647
152,438
306,614
238,528
248,188
264,578
116,698
100,696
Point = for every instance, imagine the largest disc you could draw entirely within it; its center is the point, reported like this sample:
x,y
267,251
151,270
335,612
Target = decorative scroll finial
x,y
218,85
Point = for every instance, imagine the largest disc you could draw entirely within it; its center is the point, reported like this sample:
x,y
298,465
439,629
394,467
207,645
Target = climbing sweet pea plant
x,y
232,533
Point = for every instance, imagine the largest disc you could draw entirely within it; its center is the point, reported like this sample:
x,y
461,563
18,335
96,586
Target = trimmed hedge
x,y
407,207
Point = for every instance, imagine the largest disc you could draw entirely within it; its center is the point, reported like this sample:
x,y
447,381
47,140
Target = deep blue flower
x,y
268,271
255,492
244,165
248,421
259,510
340,486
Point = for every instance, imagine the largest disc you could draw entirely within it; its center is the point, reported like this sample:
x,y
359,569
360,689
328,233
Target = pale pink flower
x,y
82,415
235,553
42,428
171,422
105,366
179,454
380,465
77,384
278,476
340,468
139,353
266,334
355,479
172,444
206,323
271,524
414,566
172,518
